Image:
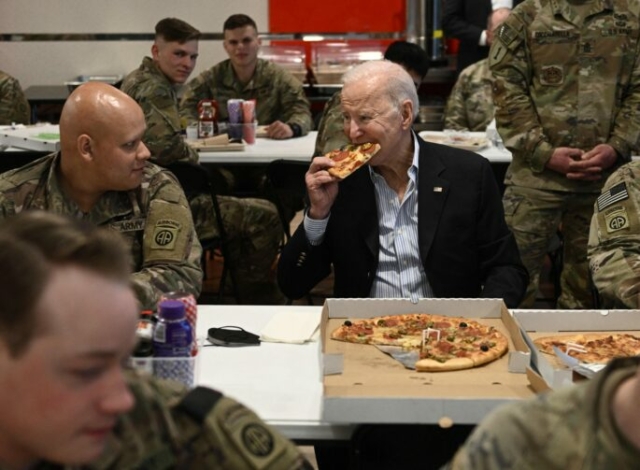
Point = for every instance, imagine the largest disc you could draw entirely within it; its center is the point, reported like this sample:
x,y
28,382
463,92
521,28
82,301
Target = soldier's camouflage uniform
x,y
14,106
331,134
157,97
252,225
614,240
470,104
154,218
565,75
572,428
278,95
167,430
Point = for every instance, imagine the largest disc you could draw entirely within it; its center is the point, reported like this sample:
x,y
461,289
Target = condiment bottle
x,y
206,121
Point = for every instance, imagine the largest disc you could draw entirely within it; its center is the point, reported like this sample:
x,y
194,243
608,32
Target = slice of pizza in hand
x,y
351,157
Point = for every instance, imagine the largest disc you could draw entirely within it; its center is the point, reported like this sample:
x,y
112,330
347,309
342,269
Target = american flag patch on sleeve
x,y
615,194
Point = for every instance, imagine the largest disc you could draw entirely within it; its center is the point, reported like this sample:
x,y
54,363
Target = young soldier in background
x,y
280,99
68,322
252,225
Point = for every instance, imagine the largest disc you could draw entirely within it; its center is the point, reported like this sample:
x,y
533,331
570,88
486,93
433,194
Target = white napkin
x,y
291,326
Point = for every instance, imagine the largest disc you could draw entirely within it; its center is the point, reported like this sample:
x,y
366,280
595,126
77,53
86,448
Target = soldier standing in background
x,y
252,225
470,104
101,175
67,326
567,92
14,107
331,134
280,99
614,240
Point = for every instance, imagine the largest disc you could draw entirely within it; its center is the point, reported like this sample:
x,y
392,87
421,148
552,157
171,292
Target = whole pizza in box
x,y
444,343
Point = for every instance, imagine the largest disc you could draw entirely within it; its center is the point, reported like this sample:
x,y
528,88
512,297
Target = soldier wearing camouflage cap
x,y
102,175
470,104
593,425
566,91
614,240
331,133
14,107
252,225
280,99
68,322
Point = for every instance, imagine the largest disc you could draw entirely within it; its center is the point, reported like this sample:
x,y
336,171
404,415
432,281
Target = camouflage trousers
x,y
255,233
534,216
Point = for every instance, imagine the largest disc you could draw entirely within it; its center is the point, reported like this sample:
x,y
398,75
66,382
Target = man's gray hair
x,y
397,83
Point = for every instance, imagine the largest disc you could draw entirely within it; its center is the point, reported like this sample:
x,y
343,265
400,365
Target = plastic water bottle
x,y
172,337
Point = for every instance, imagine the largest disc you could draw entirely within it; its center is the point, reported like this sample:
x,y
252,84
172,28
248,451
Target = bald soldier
x,y
101,174
68,322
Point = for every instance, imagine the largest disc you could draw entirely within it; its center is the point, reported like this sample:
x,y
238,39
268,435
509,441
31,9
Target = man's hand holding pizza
x,y
322,188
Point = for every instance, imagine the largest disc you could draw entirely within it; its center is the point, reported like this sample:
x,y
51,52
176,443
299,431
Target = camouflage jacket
x,y
158,99
154,218
470,104
331,134
278,95
564,81
14,106
163,432
571,428
614,239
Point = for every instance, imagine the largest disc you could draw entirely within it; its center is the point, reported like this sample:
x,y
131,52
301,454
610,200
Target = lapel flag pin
x,y
437,189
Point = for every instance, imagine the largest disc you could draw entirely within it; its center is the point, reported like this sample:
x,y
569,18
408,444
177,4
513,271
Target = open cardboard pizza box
x,y
547,372
363,384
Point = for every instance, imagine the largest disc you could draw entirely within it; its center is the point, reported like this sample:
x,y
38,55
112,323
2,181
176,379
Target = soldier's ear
x,y
84,144
154,51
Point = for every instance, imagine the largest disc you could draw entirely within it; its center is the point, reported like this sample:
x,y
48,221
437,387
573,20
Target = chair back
x,y
287,189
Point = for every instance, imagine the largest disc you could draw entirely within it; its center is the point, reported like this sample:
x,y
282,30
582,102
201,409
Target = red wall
x,y
336,16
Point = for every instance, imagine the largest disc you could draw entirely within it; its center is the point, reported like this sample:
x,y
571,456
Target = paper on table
x,y
291,327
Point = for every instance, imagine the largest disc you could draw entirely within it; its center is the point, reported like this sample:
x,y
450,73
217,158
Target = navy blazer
x,y
466,248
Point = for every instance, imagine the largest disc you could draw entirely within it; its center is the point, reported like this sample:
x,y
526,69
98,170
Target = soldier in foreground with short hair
x,y
280,100
591,425
101,174
68,322
252,225
614,240
14,107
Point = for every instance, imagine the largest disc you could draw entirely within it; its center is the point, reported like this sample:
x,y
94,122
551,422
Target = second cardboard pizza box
x,y
362,384
547,373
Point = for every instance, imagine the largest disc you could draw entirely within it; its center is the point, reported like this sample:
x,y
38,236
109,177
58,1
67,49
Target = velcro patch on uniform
x,y
552,75
506,34
616,194
133,225
165,234
616,220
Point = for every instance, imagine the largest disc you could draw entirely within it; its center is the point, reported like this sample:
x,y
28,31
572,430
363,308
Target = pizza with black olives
x,y
445,343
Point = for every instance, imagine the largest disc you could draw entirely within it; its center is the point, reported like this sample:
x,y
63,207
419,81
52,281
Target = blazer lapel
x,y
432,194
362,193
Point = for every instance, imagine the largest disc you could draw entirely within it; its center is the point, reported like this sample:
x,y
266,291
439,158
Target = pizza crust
x,y
457,363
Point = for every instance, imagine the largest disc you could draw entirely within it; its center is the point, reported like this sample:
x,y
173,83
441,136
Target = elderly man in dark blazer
x,y
421,220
